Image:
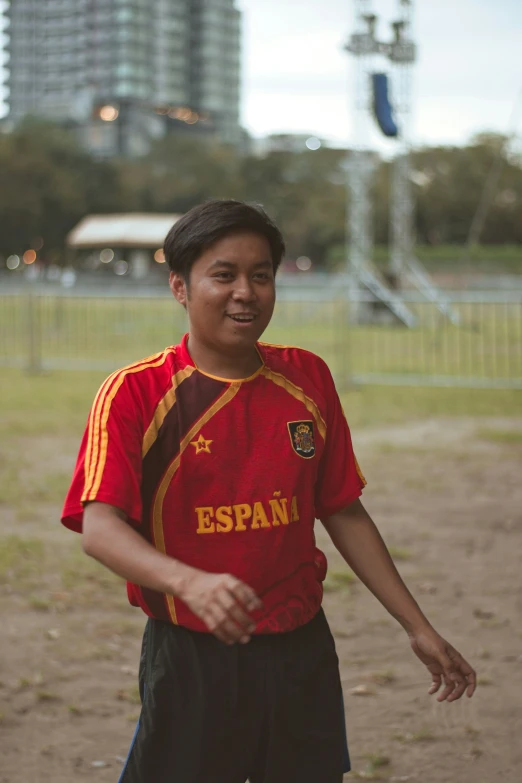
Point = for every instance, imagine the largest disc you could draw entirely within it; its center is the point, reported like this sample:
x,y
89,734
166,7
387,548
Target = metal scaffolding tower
x,y
367,49
402,54
362,162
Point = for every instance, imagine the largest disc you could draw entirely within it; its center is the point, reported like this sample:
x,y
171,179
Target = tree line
x,y
48,183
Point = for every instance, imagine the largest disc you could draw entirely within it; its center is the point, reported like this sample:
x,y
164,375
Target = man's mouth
x,y
242,318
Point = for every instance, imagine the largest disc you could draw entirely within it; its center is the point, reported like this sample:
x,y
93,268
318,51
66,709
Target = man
x,y
199,478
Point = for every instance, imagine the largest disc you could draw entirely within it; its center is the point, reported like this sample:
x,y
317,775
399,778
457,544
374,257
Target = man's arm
x,y
220,600
356,537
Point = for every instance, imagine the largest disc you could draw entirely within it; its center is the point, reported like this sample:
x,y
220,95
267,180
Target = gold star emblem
x,y
201,445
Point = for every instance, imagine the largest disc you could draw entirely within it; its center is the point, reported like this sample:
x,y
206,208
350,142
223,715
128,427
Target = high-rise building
x,y
126,71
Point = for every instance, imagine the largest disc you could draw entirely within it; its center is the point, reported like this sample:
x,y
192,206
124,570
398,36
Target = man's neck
x,y
235,366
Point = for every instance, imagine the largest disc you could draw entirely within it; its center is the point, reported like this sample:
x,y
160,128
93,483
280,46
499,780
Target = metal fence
x,y
50,330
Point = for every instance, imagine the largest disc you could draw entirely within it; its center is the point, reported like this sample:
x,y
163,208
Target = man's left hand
x,y
445,664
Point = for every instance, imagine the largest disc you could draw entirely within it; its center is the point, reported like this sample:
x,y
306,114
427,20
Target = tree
x,y
305,192
47,183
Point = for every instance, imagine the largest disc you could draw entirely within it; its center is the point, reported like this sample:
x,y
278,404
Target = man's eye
x,y
223,275
263,276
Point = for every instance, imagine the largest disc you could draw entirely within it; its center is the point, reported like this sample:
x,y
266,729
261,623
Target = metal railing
x,y
47,330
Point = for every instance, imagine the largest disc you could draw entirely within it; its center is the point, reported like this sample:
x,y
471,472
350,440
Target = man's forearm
x,y
112,541
359,542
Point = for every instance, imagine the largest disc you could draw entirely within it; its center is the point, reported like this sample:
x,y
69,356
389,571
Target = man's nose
x,y
244,290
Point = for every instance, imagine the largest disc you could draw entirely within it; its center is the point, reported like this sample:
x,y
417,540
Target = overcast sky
x,y
296,77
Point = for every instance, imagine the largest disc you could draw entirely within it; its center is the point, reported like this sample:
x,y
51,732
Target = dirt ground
x,y
447,496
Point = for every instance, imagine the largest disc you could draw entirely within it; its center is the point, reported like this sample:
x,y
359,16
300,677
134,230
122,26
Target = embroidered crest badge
x,y
302,438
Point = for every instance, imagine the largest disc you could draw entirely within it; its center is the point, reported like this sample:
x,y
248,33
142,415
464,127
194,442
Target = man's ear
x,y
178,287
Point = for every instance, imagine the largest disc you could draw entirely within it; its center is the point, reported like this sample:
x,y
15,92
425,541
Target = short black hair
x,y
204,224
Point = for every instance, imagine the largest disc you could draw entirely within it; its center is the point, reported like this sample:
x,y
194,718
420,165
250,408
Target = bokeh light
x,y
13,262
159,256
121,267
183,113
303,263
106,255
108,113
29,256
313,143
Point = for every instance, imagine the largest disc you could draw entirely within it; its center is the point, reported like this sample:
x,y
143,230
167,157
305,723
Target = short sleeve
x,y
109,464
340,480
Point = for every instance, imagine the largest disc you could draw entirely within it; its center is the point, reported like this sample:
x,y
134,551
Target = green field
x,y
104,333
480,259
443,483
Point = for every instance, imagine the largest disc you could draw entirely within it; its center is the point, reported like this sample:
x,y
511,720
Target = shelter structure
x,y
139,235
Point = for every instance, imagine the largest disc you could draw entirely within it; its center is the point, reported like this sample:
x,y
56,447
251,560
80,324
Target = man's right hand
x,y
223,602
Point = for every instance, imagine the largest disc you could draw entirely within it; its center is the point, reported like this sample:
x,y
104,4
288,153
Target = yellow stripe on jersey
x,y
359,472
157,512
164,406
89,449
299,394
278,345
98,436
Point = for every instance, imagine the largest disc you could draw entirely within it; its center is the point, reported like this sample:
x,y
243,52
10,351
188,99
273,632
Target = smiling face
x,y
229,297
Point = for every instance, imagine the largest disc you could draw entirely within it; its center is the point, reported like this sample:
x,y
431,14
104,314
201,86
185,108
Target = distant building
x,y
126,71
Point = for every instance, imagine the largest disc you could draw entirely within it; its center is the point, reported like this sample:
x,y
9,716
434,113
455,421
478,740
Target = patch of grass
x,y
131,695
72,709
372,406
345,578
38,604
508,437
24,495
9,478
26,512
425,484
471,731
423,735
47,696
377,761
50,488
20,559
59,402
84,577
387,677
400,553
24,488
339,580
483,680
493,623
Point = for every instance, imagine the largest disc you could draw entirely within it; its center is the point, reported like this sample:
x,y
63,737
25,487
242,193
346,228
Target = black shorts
x,y
270,711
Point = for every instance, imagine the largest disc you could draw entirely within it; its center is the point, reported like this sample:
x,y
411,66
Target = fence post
x,y
34,345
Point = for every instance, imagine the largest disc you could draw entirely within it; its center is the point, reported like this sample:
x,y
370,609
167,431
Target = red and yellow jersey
x,y
225,475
